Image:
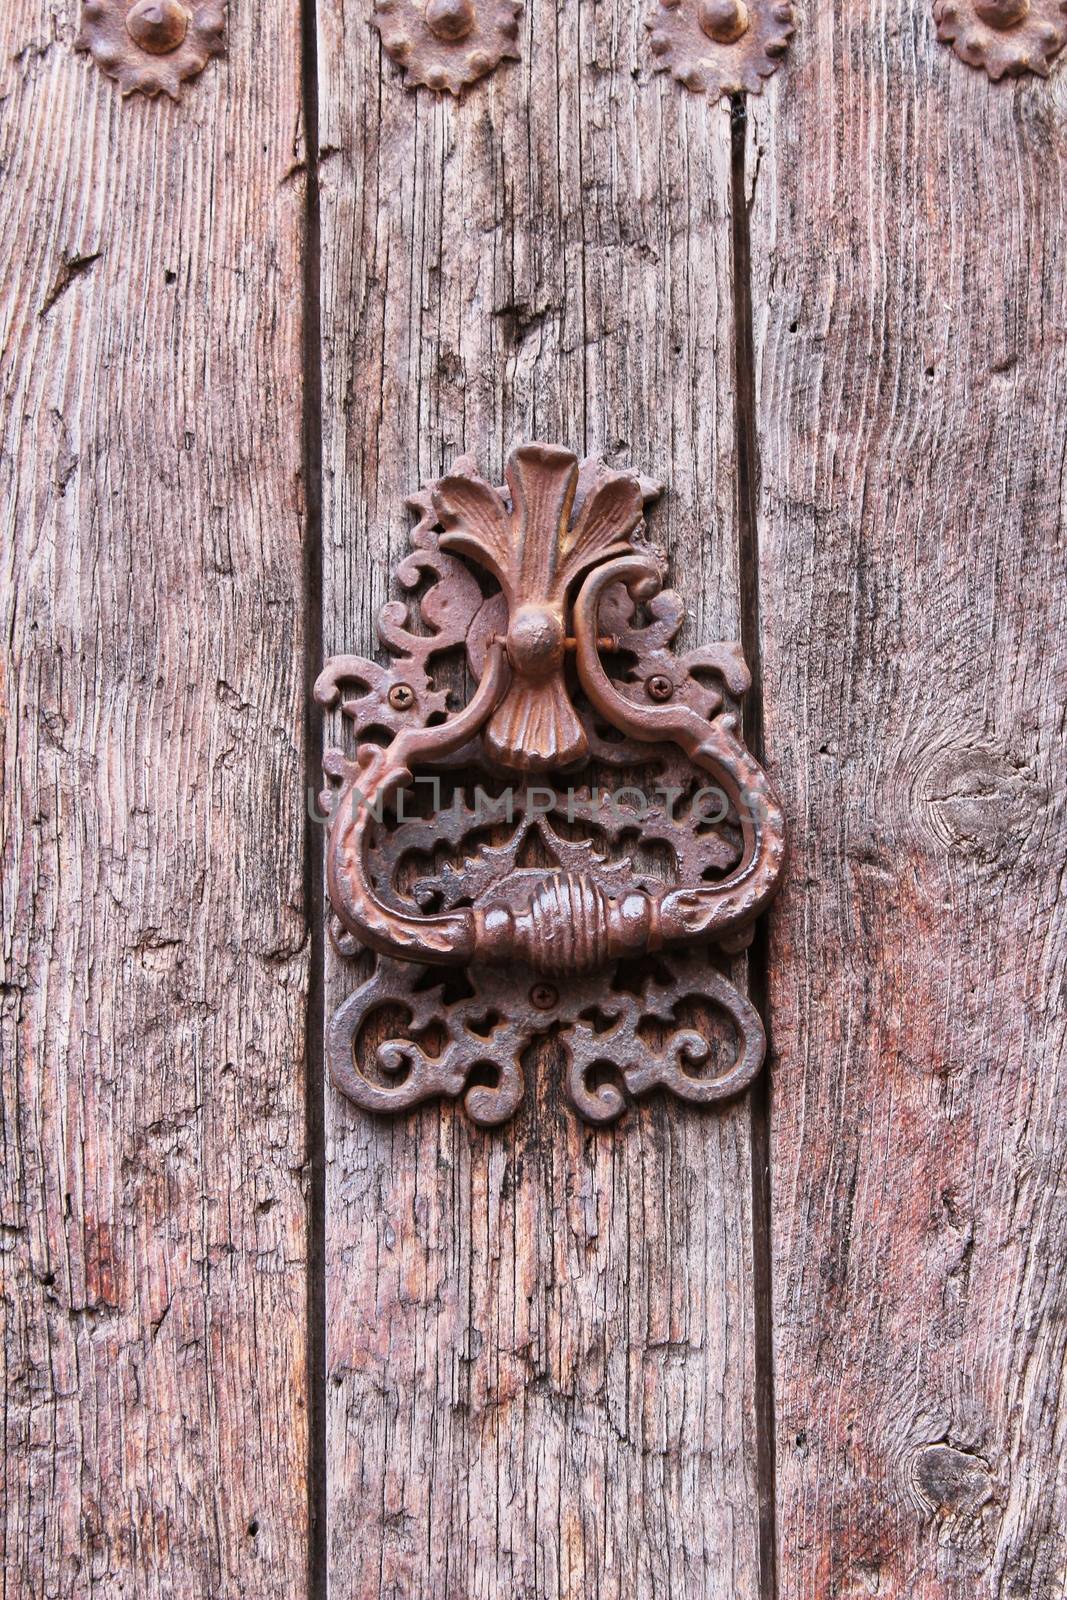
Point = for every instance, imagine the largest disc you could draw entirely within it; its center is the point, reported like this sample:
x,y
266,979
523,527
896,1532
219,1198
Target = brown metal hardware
x,y
151,46
448,44
546,898
720,47
1004,37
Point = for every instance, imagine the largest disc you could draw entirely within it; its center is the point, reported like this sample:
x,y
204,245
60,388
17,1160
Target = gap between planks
x,y
748,572
317,1566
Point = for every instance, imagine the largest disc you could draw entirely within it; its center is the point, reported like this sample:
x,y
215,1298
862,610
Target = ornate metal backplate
x,y
151,46
719,47
550,825
1005,38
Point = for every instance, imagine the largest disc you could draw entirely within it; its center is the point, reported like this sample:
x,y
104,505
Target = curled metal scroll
x,y
567,642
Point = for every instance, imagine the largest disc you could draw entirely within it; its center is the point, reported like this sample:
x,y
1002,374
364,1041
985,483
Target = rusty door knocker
x,y
502,906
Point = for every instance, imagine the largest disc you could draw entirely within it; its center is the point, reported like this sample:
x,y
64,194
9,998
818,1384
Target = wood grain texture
x,y
910,256
539,1339
152,1214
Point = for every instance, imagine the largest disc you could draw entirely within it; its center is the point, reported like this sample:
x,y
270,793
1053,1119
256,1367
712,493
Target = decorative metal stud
x,y
448,44
1004,37
582,906
151,46
720,47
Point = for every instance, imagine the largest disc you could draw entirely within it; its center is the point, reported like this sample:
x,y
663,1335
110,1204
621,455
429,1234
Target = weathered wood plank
x,y
154,962
540,1339
910,256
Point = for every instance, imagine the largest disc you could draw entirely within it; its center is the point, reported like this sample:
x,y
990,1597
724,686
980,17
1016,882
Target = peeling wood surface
x,y
909,241
540,1344
152,1215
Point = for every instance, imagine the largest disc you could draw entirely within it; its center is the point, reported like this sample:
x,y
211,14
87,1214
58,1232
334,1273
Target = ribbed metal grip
x,y
568,925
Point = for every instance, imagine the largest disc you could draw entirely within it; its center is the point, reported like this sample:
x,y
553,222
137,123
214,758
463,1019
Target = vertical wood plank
x,y
910,251
152,1216
539,1339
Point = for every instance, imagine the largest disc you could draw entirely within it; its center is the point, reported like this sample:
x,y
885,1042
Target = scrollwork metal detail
x,y
603,1031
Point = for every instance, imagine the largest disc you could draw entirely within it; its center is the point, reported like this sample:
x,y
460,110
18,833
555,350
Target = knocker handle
x,y
709,911
373,778
562,922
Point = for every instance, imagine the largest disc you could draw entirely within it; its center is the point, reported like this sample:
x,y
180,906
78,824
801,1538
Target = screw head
x,y
723,20
401,697
544,996
536,641
1002,14
450,20
158,26
659,687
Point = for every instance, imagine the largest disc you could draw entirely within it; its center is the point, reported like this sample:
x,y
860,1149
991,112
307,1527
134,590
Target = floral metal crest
x,y
721,47
152,46
448,44
1006,38
567,849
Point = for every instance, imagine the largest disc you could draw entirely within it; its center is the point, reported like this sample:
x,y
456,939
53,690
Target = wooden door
x,y
811,1344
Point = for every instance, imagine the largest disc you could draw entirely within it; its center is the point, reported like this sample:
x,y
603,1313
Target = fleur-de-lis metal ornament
x,y
583,907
